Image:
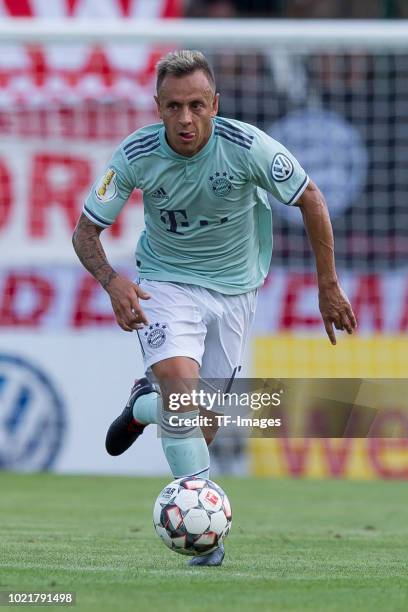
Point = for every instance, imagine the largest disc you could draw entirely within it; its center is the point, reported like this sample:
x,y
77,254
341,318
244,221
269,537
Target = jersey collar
x,y
171,153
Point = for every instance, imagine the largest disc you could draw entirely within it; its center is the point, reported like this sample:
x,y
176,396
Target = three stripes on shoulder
x,y
141,146
234,134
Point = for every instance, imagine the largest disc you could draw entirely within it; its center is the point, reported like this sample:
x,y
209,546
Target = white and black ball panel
x,y
196,521
218,522
186,499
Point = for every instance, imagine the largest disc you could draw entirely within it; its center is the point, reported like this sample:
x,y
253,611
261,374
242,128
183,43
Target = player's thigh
x,y
227,337
175,326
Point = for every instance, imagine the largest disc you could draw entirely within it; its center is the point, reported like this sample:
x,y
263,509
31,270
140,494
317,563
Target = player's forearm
x,y
319,229
88,247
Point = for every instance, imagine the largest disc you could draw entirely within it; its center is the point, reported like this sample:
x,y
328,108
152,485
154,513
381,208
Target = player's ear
x,y
215,105
156,99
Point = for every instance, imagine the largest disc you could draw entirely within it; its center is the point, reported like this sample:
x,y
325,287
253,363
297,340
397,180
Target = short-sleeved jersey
x,y
207,218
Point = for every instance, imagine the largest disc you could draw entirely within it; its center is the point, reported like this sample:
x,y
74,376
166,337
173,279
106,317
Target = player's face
x,y
186,106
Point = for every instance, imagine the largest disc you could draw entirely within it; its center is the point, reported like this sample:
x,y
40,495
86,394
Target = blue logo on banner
x,y
332,152
32,416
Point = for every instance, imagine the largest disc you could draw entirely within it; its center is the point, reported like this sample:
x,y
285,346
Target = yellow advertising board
x,y
372,357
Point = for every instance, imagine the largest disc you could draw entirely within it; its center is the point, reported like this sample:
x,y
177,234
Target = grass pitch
x,y
294,545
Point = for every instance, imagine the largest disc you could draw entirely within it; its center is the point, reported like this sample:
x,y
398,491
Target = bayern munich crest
x,y
221,183
282,168
156,335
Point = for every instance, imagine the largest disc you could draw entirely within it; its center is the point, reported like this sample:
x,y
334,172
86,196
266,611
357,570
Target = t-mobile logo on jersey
x,y
174,219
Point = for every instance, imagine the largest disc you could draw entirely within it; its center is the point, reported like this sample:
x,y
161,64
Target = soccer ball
x,y
192,516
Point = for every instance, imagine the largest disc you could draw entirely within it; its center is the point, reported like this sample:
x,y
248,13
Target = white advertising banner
x,y
58,394
42,192
55,298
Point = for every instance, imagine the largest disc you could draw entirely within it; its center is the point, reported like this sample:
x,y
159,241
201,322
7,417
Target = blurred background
x,y
65,367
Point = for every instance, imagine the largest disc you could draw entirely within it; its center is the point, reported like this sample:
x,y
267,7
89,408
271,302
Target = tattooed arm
x,y
124,294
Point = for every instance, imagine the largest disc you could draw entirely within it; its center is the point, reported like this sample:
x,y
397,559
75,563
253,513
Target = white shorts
x,y
190,321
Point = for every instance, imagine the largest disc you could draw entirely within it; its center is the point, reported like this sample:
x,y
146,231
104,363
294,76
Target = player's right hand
x,y
124,296
336,310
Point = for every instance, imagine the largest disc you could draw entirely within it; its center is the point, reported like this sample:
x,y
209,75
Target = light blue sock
x,y
147,408
184,446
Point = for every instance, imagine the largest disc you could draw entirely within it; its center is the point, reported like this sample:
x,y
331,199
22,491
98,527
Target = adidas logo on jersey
x,y
160,194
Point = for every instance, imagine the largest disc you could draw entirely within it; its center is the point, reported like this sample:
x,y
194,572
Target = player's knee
x,y
176,368
177,378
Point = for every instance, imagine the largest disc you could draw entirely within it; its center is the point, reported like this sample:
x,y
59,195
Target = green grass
x,y
294,545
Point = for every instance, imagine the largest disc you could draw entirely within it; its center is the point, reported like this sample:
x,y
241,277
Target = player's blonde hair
x,y
185,61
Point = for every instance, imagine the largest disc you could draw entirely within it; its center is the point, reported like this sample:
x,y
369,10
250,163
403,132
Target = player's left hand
x,y
336,310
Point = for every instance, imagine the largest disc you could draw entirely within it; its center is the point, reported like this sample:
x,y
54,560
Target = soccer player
x,y
205,251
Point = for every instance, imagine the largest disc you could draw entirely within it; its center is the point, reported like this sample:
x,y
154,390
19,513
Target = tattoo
x,y
105,284
88,247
